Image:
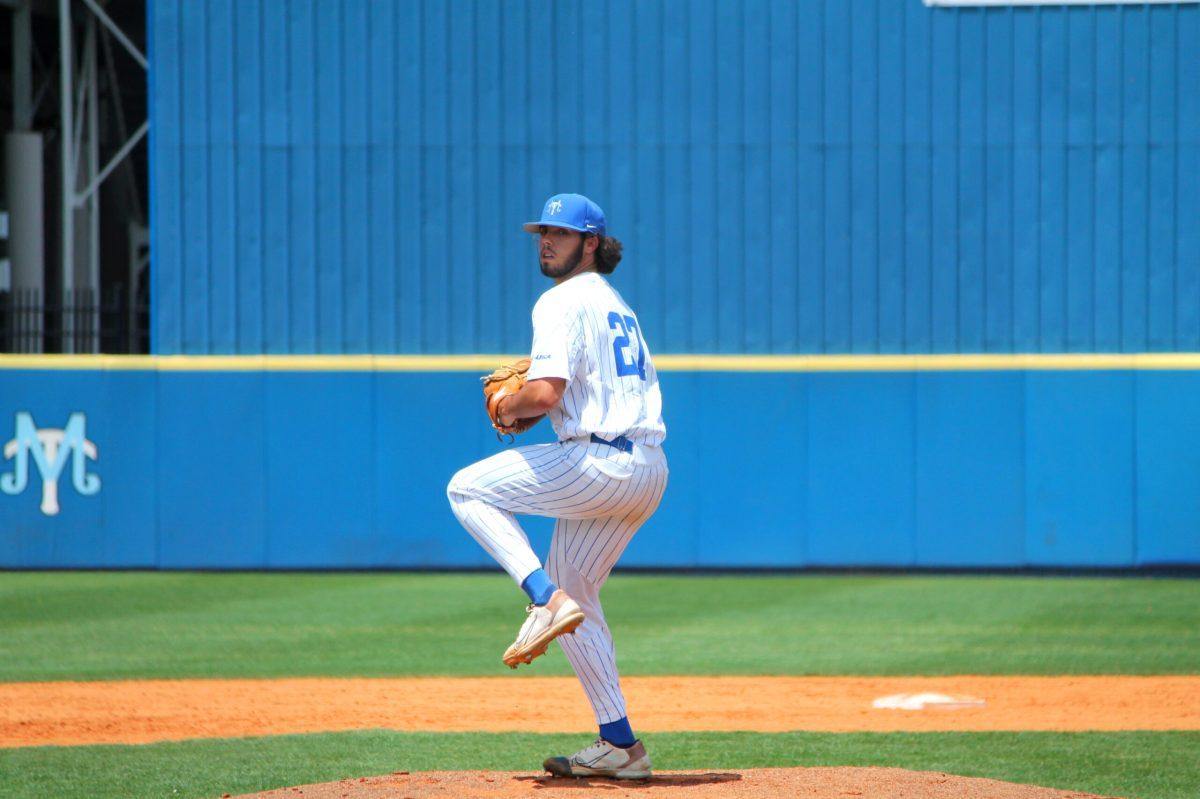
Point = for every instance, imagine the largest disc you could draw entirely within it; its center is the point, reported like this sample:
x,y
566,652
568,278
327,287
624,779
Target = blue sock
x,y
618,733
539,587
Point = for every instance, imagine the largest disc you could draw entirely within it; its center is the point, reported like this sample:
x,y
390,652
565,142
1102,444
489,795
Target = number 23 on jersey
x,y
624,343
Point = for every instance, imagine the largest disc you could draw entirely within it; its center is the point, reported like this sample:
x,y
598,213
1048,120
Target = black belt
x,y
620,442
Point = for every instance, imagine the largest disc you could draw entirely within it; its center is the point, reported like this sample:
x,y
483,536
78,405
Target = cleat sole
x,y
538,646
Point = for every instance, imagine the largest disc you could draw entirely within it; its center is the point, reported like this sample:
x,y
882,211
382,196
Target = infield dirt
x,y
74,713
811,783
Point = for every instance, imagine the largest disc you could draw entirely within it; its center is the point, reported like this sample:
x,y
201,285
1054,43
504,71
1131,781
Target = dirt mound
x,y
810,783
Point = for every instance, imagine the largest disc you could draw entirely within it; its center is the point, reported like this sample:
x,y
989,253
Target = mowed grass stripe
x,y
100,626
1162,765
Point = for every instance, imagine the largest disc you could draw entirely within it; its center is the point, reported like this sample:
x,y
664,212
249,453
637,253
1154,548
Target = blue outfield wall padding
x,y
969,467
1168,468
734,521
117,526
321,456
1079,469
860,463
294,469
211,468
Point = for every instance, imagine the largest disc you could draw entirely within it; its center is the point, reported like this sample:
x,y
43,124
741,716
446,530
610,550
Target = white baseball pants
x,y
600,496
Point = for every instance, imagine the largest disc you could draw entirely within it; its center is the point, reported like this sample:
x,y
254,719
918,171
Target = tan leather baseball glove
x,y
501,383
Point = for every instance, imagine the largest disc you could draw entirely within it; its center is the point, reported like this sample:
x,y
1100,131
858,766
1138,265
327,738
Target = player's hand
x,y
506,419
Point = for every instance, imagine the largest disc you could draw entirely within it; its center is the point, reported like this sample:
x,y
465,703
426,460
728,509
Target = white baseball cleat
x,y
602,759
559,616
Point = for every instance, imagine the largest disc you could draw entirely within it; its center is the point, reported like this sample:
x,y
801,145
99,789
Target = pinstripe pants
x,y
600,497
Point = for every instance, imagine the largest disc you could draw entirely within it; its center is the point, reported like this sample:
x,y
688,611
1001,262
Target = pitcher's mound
x,y
810,783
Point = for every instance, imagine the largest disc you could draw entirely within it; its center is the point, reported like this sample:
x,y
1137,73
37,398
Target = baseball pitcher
x,y
591,372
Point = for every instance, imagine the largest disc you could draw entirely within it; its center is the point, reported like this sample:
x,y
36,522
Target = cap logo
x,y
553,207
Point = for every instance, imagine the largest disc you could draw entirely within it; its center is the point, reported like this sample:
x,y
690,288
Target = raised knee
x,y
459,487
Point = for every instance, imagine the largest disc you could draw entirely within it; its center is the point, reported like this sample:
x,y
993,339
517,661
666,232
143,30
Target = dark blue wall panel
x,y
970,496
861,499
210,469
812,176
726,534
1167,498
277,469
126,535
321,450
1080,468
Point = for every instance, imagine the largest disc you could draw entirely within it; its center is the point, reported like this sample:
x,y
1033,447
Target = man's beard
x,y
567,267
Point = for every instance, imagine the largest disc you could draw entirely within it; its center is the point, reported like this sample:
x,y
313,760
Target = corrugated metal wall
x,y
812,176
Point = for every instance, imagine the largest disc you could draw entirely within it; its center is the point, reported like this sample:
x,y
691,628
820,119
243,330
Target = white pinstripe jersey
x,y
584,332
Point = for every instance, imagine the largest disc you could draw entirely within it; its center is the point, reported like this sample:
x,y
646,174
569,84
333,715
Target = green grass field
x,y
95,626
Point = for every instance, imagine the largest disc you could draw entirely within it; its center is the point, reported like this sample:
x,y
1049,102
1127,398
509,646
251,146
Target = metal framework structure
x,y
82,173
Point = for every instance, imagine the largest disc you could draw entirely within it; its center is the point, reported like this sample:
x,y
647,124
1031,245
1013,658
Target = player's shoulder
x,y
572,294
555,306
552,298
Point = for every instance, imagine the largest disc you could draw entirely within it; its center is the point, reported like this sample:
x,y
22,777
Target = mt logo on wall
x,y
50,449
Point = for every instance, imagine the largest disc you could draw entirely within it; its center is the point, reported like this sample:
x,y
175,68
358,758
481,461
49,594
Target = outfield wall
x,y
787,175
342,463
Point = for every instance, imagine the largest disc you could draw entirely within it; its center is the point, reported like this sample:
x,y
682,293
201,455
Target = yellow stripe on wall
x,y
665,363
928,363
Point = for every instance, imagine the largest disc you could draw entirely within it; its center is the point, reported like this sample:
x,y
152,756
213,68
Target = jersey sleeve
x,y
555,351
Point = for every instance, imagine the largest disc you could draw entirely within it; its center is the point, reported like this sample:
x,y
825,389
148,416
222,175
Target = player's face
x,y
559,251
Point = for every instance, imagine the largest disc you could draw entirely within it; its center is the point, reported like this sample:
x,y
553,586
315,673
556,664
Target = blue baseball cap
x,y
570,211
